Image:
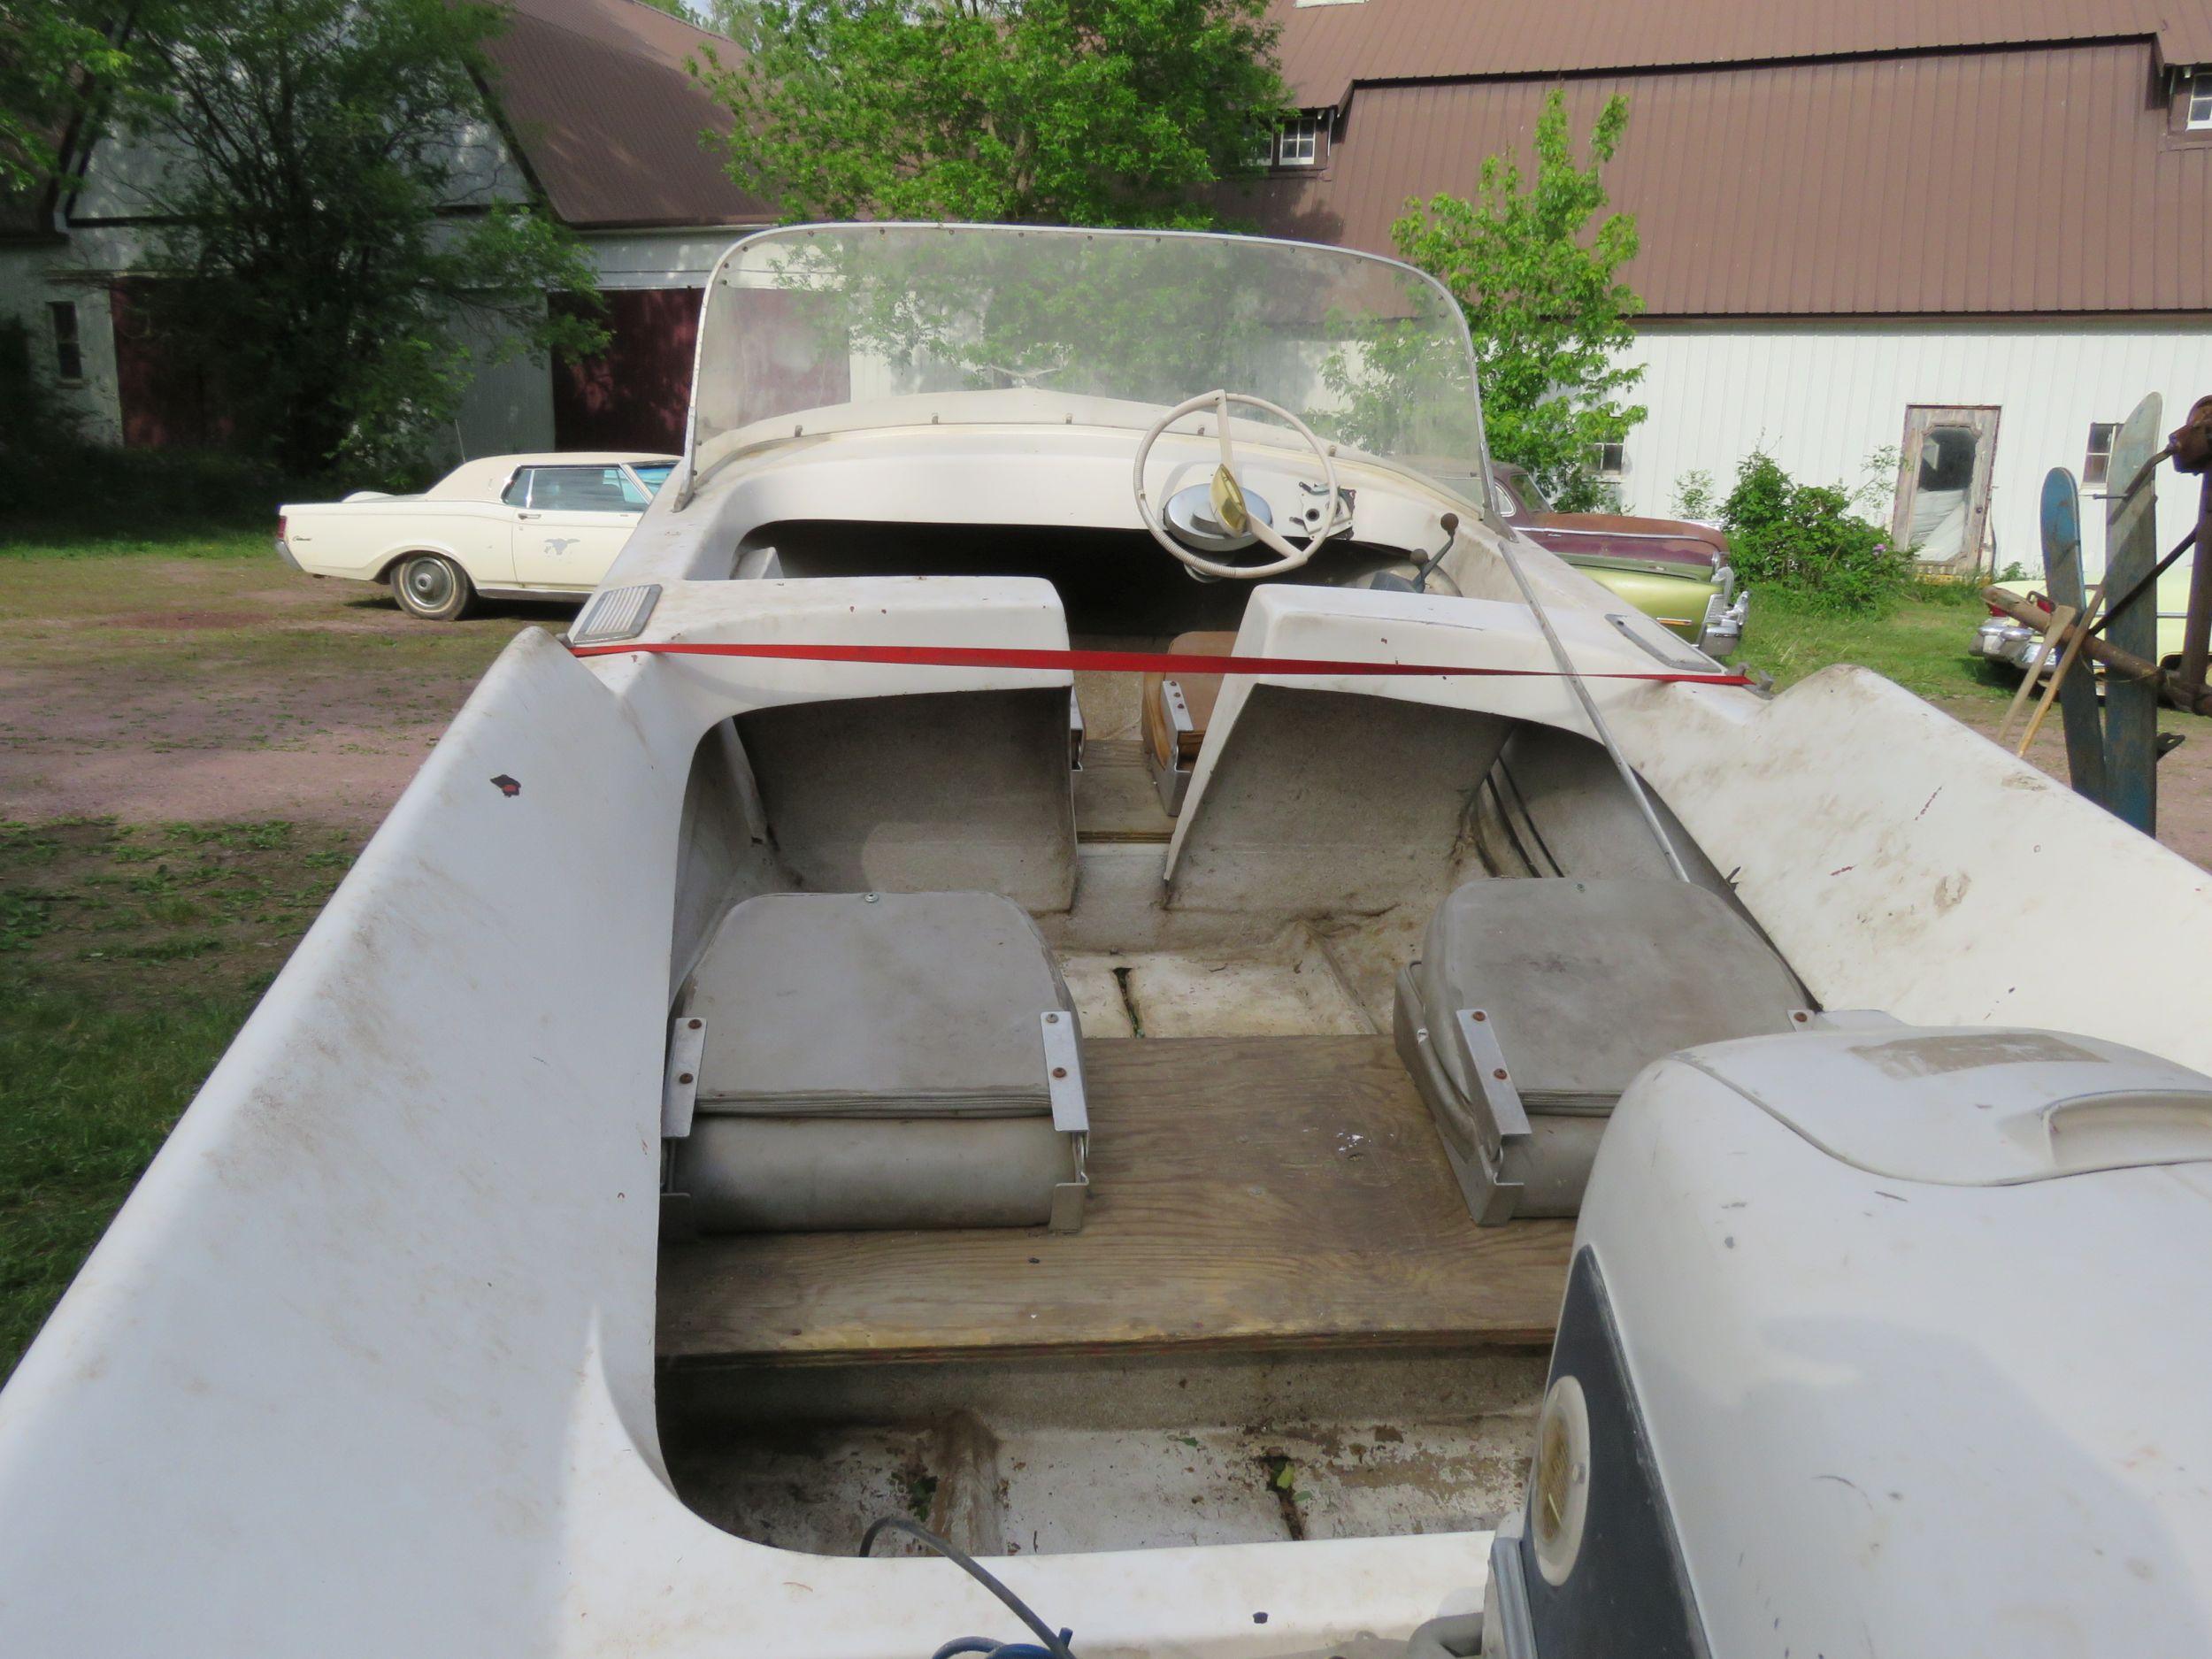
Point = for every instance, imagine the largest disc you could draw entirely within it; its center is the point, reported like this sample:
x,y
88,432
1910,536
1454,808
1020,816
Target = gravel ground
x,y
152,690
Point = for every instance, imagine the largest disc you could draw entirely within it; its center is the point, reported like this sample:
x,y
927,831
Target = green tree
x,y
739,19
334,240
51,57
1544,302
1069,112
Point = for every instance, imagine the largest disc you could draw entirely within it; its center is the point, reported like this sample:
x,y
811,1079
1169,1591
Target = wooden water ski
x,y
2046,656
2062,579
2130,715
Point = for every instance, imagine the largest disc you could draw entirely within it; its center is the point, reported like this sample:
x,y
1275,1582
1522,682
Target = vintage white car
x,y
505,527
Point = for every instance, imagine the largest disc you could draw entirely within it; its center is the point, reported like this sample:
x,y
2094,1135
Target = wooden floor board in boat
x,y
1116,799
1246,1192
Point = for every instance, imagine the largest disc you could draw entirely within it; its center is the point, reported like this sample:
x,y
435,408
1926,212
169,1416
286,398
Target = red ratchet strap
x,y
1114,662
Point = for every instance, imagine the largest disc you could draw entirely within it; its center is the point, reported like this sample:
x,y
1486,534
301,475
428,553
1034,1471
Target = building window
x,y
68,350
1612,459
2197,116
1302,142
2096,461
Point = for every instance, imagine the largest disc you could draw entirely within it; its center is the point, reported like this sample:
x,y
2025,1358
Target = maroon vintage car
x,y
1673,570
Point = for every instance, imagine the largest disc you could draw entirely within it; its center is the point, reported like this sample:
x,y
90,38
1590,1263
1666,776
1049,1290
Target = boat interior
x,y
1256,1300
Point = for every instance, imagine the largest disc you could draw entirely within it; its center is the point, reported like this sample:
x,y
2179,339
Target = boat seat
x,y
1177,708
850,1061
1536,999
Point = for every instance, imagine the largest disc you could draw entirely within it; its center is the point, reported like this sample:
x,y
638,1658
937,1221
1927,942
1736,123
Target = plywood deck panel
x,y
1246,1191
1116,799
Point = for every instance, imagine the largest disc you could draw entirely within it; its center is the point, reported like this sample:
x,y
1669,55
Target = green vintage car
x,y
1674,571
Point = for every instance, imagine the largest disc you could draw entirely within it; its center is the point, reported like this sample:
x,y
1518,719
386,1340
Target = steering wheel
x,y
1228,492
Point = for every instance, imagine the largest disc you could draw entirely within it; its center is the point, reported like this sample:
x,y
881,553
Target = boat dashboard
x,y
920,494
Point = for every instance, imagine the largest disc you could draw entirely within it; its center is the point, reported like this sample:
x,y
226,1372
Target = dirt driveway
x,y
154,690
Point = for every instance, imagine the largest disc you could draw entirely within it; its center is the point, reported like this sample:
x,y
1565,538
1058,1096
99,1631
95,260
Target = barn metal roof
x,y
597,97
2017,182
1326,49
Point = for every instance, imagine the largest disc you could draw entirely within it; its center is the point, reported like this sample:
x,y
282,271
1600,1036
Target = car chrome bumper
x,y
2015,643
284,552
1722,631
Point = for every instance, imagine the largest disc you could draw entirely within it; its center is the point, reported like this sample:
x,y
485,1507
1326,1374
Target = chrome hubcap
x,y
429,584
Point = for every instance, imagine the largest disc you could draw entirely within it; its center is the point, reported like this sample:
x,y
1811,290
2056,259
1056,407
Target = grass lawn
x,y
1920,643
130,953
129,956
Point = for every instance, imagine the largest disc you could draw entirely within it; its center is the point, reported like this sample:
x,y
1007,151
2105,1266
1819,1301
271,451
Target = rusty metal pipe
x,y
2192,700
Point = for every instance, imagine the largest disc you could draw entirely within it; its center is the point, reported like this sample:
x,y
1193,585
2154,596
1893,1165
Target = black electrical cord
x,y
1054,1647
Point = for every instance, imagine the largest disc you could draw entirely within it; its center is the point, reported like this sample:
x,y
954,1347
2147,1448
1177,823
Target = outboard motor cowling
x,y
1881,1340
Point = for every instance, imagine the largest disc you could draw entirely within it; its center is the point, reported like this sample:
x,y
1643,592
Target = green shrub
x,y
84,492
1696,497
1804,541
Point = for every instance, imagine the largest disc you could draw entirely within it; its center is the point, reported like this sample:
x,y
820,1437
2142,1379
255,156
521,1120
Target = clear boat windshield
x,y
1100,327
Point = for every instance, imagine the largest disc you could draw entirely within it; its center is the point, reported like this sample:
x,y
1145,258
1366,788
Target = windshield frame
x,y
685,480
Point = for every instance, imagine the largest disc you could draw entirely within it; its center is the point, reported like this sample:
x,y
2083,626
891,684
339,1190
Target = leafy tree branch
x,y
337,259
1069,111
1540,287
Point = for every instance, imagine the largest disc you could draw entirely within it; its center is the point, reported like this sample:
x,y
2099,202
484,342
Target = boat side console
x,y
1878,1339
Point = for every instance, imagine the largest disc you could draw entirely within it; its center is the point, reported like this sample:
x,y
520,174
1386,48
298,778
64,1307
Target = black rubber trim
x,y
1629,1591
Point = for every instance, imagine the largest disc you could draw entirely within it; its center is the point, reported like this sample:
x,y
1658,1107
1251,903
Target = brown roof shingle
x,y
2031,181
1325,49
596,94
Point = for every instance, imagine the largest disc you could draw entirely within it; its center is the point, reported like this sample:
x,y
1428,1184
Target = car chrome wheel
x,y
431,587
430,584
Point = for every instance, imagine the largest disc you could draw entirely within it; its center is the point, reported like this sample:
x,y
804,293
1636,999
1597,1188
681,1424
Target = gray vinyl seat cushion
x,y
1581,984
880,1060
893,1004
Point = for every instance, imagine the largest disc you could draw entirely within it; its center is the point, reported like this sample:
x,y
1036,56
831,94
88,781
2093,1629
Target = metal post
x,y
1636,791
2196,634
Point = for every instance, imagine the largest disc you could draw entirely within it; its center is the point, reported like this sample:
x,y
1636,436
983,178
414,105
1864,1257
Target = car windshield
x,y
653,474
1097,327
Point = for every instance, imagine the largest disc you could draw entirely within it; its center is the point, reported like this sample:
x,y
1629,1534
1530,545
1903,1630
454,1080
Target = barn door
x,y
1943,474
